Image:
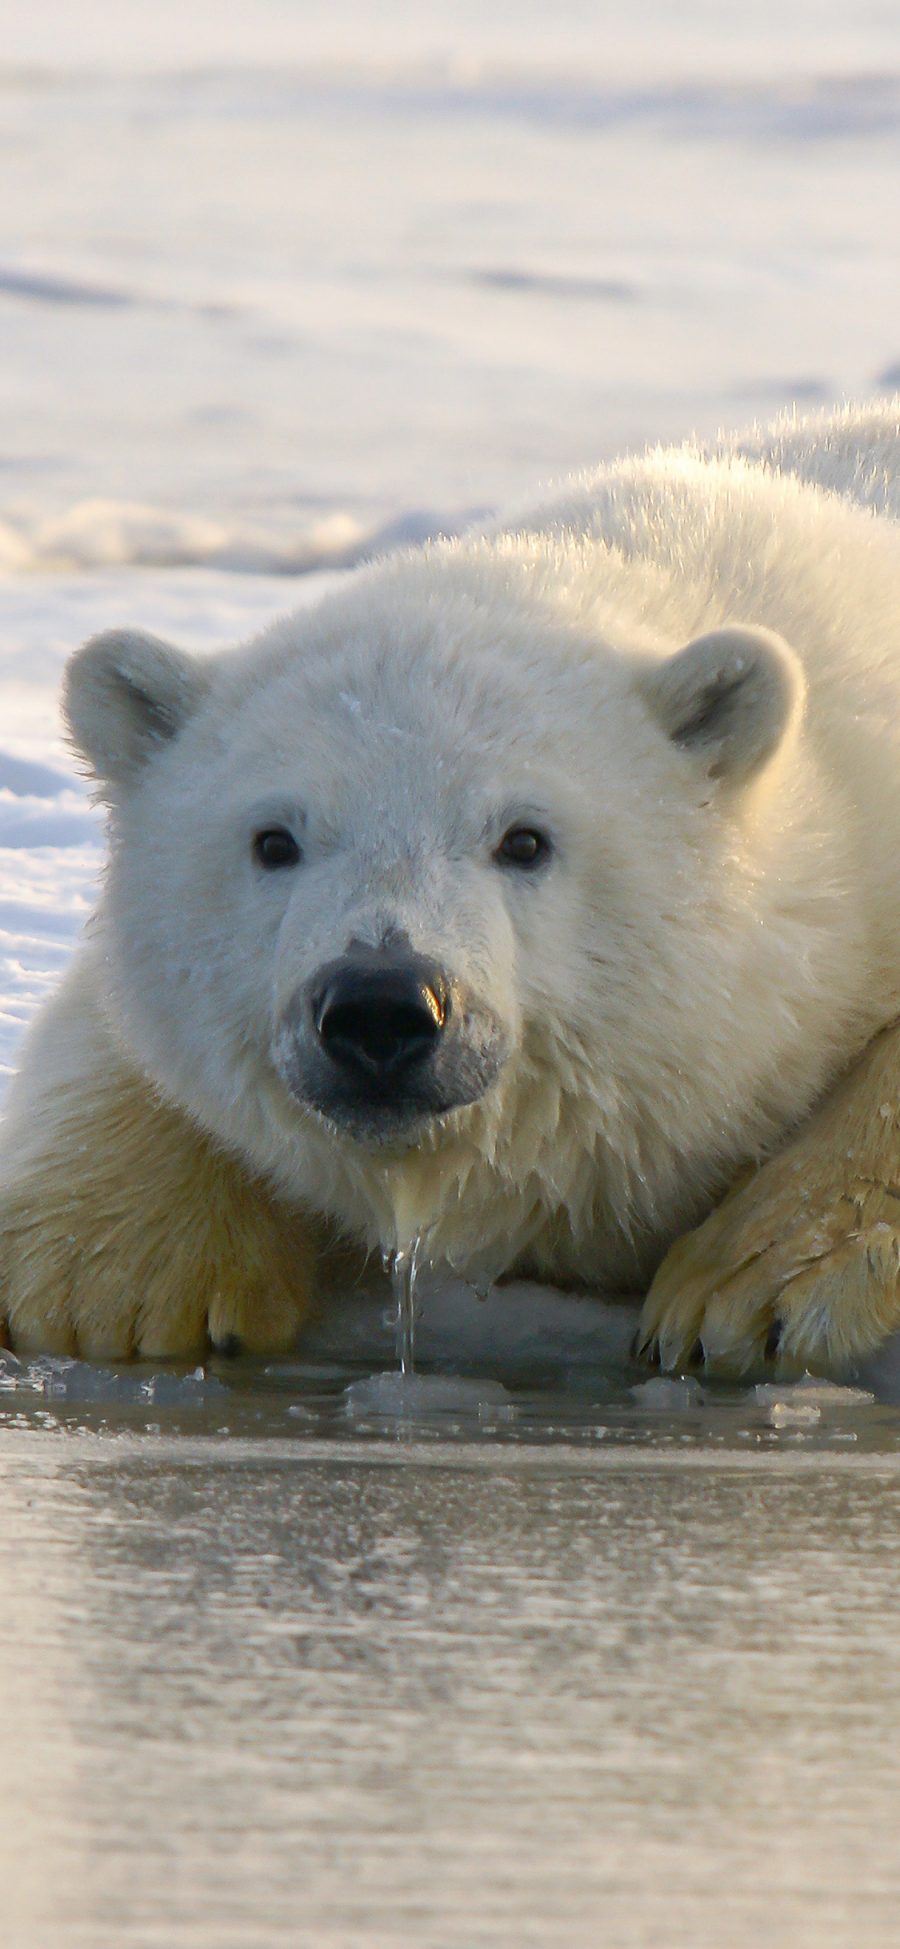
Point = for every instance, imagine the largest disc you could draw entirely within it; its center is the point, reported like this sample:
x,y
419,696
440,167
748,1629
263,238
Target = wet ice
x,y
60,1378
410,1396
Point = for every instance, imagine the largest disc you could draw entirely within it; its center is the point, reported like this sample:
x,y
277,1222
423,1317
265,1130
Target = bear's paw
x,y
131,1235
753,1288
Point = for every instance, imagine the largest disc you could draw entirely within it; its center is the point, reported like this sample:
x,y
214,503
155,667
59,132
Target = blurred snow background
x,y
280,284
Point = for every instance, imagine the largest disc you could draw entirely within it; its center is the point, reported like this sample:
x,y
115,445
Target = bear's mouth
x,y
381,1117
383,1110
396,1127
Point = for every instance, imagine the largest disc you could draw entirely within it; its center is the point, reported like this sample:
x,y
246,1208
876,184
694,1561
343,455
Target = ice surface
x,y
299,1697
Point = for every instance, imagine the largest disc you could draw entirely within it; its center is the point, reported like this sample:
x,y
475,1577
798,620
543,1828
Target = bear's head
x,y
435,903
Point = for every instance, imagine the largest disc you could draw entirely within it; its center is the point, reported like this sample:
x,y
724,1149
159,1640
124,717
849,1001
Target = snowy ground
x,y
275,281
50,835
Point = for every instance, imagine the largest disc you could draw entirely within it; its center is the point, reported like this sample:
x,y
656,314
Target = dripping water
x,y
402,1266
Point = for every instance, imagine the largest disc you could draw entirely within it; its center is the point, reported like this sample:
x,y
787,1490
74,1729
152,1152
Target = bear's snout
x,y
379,1022
383,1040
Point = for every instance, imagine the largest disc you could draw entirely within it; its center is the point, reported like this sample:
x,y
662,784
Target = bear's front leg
x,y
800,1265
127,1233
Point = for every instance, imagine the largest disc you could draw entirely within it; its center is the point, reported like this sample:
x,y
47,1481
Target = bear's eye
x,y
275,847
523,846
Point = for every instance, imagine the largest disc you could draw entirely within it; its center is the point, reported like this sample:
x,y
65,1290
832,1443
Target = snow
x,y
51,836
522,1325
346,284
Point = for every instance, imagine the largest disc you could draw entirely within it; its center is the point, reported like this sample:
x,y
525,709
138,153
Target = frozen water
x,y
662,1396
389,1692
811,1392
56,1377
407,1396
804,1403
794,1414
438,1660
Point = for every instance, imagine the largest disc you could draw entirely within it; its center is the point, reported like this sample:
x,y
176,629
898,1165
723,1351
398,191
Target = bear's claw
x,y
820,1298
799,1266
201,1253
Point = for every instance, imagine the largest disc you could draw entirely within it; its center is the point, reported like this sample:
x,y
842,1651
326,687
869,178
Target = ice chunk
x,y
811,1393
794,1414
801,1404
58,1377
662,1396
399,1396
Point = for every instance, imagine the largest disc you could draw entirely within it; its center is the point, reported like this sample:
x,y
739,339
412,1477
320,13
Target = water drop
x,y
403,1267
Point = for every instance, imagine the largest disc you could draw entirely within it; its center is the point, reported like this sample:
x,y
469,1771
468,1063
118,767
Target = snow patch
x,y
94,534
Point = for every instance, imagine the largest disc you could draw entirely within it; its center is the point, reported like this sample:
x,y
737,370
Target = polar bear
x,y
516,900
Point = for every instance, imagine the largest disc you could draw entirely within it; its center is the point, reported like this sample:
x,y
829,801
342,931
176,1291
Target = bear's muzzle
x,y
380,1043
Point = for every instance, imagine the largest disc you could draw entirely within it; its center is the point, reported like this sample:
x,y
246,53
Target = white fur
x,y
703,955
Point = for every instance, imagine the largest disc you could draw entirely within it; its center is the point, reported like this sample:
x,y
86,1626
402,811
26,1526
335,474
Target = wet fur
x,y
800,1264
125,1228
130,1233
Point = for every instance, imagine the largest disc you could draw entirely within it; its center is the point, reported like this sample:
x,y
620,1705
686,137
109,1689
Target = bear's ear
x,y
728,699
126,694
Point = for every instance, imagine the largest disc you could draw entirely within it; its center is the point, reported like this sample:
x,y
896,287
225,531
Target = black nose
x,y
381,1022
